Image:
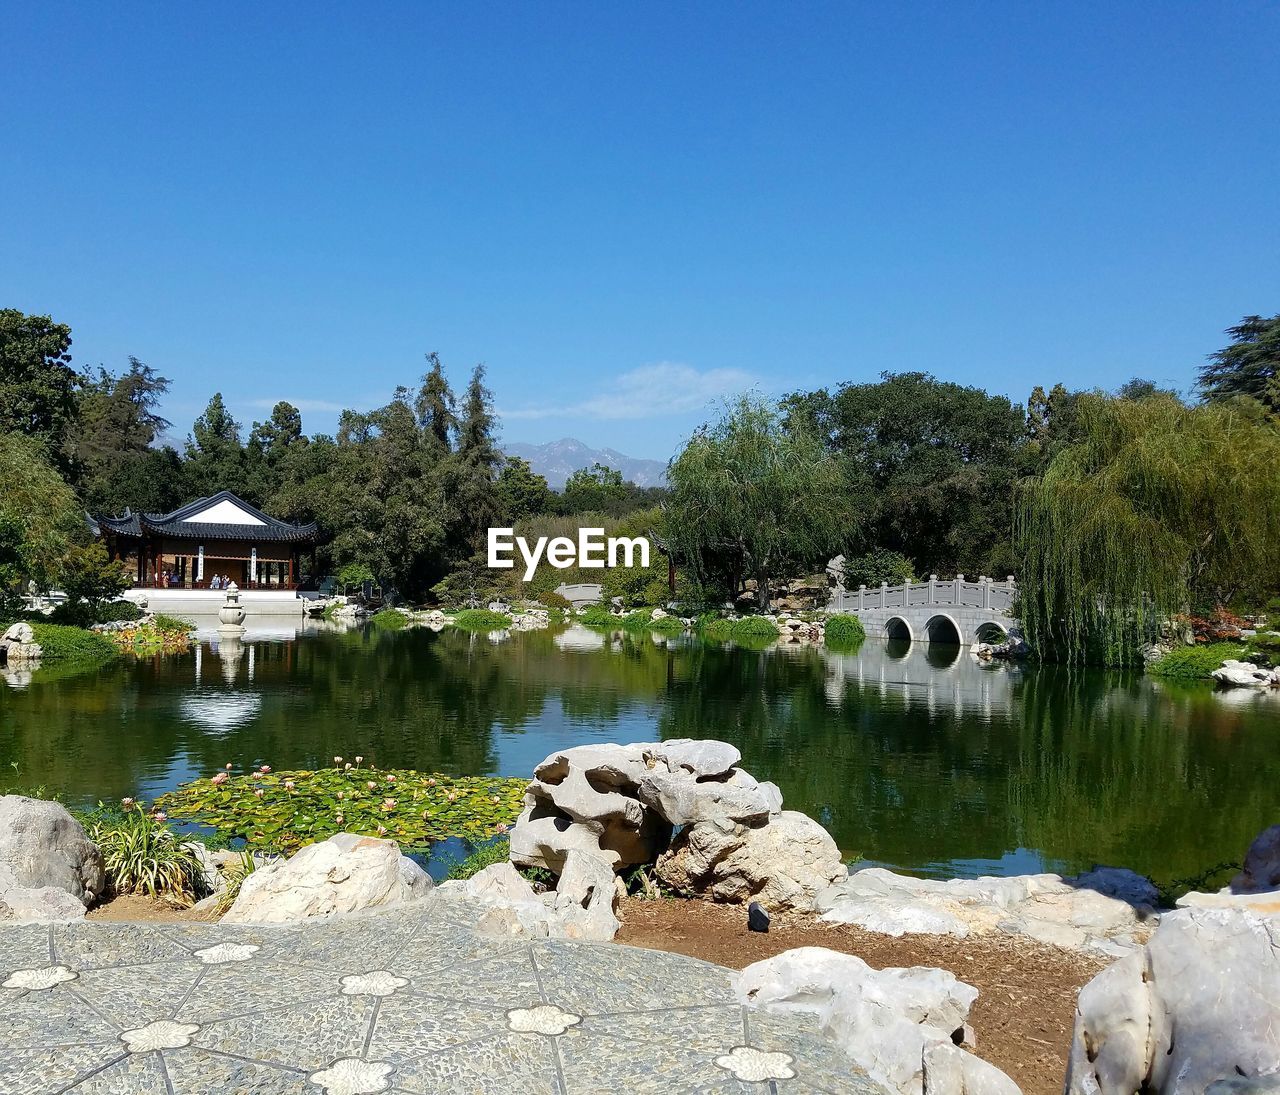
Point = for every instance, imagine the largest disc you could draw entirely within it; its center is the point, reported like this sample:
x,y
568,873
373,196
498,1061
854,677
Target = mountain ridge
x,y
557,460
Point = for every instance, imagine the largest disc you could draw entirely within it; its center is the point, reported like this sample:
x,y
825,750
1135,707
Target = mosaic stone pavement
x,y
408,1003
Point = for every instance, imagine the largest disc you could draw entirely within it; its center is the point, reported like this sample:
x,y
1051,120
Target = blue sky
x,y
631,211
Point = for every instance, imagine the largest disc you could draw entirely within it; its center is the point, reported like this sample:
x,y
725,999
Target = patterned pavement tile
x,y
597,979
506,981
52,1017
409,1026
134,995
41,1071
308,1035
710,1030
86,945
134,1075
819,1061
23,947
502,1065
593,1063
438,946
274,941
194,1071
237,988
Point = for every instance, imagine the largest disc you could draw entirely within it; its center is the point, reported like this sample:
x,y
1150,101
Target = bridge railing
x,y
959,592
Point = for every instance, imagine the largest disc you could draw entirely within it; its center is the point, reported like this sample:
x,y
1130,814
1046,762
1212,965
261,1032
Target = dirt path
x,y
1026,990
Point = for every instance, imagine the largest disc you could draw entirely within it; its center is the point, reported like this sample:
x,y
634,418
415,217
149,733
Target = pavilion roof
x,y
180,525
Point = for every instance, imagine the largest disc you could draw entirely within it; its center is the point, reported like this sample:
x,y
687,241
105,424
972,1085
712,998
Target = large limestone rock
x,y
783,864
343,876
620,802
885,1020
1235,674
42,845
1196,1010
582,906
1107,911
35,905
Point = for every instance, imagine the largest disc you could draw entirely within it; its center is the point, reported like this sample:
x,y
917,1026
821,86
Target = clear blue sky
x,y
630,210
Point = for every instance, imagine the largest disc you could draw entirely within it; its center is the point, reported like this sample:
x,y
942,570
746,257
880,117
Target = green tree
x,y
1249,366
522,491
37,383
89,577
215,456
1156,509
470,475
597,489
40,518
117,424
933,464
435,407
752,496
268,447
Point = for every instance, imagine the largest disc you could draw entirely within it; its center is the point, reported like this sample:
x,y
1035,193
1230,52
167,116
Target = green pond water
x,y
913,756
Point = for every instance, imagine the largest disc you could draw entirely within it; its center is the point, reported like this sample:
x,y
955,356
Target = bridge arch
x,y
992,632
942,628
897,627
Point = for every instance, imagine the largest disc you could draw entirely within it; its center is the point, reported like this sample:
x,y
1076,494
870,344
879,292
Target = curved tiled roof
x,y
175,524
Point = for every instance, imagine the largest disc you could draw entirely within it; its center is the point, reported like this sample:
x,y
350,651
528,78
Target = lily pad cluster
x,y
281,811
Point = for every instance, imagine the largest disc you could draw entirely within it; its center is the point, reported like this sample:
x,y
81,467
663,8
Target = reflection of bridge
x,y
956,611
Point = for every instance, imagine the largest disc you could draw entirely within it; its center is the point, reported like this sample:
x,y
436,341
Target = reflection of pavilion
x,y
935,677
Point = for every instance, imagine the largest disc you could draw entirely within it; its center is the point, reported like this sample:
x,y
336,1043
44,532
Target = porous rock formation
x,y
710,828
49,868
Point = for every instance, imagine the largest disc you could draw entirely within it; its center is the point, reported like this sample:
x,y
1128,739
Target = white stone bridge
x,y
957,611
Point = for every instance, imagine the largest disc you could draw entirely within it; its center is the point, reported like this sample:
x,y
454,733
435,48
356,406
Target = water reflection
x,y
917,756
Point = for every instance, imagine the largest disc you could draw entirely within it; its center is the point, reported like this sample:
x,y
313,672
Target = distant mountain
x,y
557,460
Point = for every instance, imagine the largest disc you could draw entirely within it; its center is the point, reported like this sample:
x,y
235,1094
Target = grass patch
x,y
1197,662
61,643
598,616
498,851
748,629
844,632
668,625
281,811
388,619
481,619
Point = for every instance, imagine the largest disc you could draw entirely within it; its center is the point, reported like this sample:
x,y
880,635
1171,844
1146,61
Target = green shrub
x,y
81,615
497,851
549,598
1195,662
639,620
843,631
481,619
668,625
354,574
165,622
880,565
749,630
72,644
598,616
389,619
144,856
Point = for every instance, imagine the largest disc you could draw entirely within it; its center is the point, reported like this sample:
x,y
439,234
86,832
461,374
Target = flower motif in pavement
x,y
40,979
162,1034
227,952
543,1019
377,983
352,1076
756,1065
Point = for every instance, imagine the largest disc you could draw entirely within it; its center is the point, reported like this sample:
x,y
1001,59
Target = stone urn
x,y
231,614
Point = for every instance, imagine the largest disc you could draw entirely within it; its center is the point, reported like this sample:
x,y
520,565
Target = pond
x,y
917,757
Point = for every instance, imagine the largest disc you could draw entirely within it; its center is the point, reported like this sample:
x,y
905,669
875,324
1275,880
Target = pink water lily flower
x,y
391,779
371,785
288,785
337,760
359,760
127,803
220,779
388,804
160,815
265,768
431,782
501,827
228,766
258,792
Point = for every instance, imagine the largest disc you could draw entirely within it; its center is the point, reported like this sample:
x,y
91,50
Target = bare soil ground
x,y
148,909
1026,990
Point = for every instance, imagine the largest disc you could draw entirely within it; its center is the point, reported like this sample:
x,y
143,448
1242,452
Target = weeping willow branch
x,y
1159,508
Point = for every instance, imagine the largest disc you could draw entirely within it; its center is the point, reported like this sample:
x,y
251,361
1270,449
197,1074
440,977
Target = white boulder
x,y
1197,1009
783,864
1241,674
343,876
950,1070
885,1020
42,845
35,904
1078,914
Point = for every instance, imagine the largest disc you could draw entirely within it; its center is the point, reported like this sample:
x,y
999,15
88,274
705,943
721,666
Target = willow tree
x,y
1158,509
752,497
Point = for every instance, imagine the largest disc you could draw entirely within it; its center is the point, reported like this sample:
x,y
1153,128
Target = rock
x,y
1235,674
43,845
1261,868
1119,883
883,1019
19,633
681,800
1064,912
581,907
757,918
950,1070
585,899
1197,1007
342,876
1246,1085
35,904
784,864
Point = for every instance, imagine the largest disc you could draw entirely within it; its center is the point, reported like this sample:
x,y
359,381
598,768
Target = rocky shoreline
x,y
686,815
